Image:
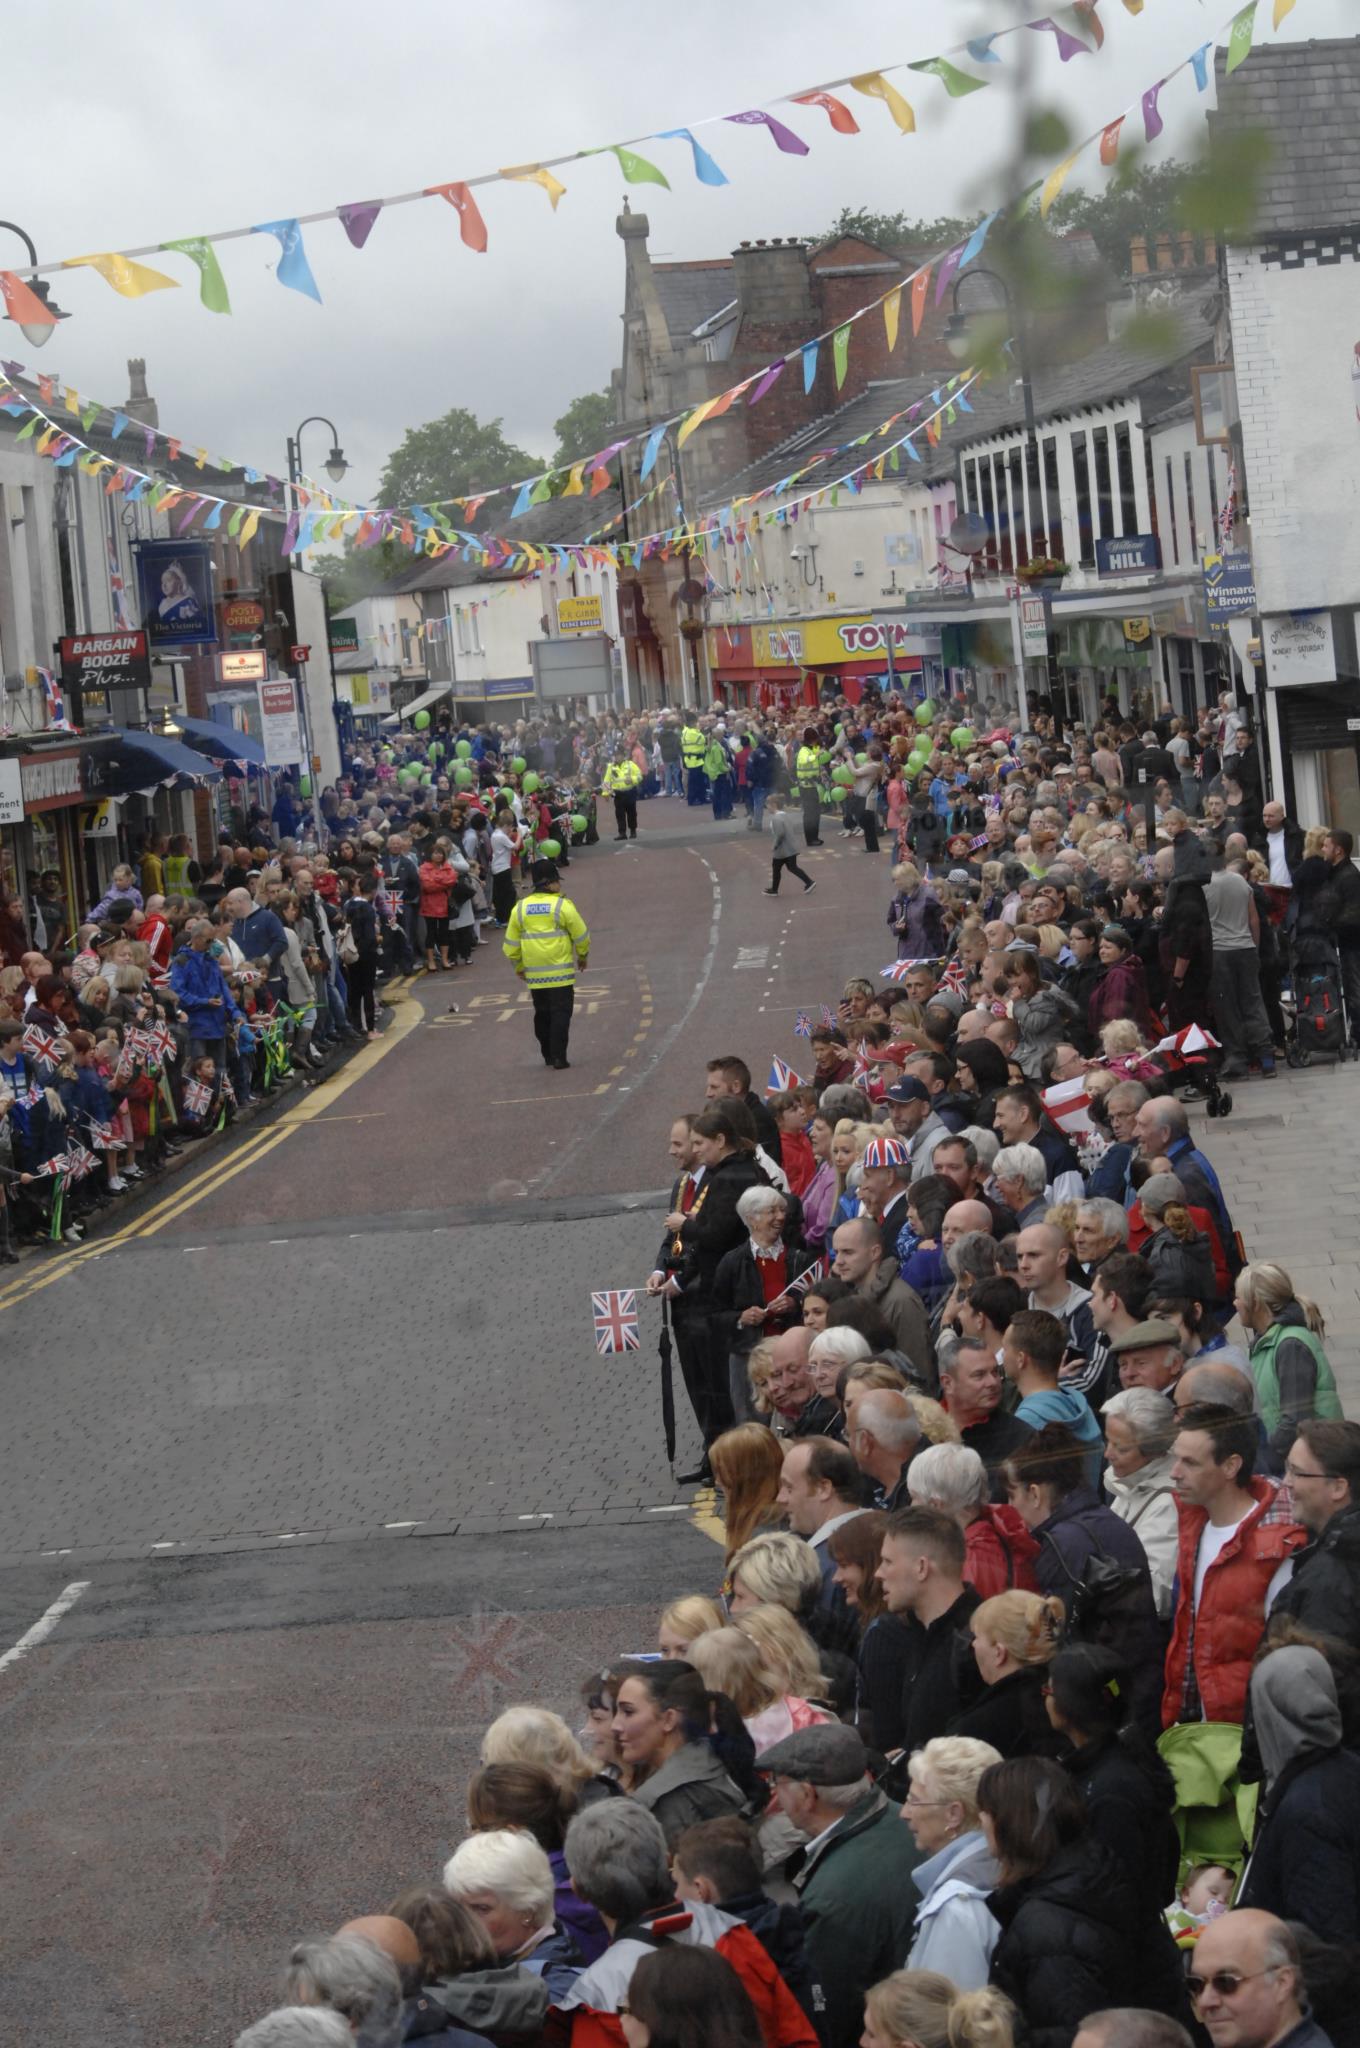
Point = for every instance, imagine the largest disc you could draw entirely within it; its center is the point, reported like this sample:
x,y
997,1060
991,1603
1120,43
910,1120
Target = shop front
x,y
760,667
43,860
1313,715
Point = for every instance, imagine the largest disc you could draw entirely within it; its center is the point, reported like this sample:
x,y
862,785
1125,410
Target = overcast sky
x,y
146,123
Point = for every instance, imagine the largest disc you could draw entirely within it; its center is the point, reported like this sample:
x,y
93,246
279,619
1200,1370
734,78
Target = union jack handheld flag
x,y
802,1025
197,1098
898,970
41,1045
616,1320
808,1279
828,1017
781,1077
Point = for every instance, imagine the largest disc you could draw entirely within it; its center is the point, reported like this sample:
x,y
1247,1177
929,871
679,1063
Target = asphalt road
x,y
320,1436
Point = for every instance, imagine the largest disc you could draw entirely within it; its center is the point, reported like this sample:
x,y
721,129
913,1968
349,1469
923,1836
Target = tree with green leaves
x,y
452,457
896,230
584,427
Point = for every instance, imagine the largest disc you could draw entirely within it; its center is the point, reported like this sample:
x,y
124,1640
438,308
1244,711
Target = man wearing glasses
x,y
1323,1475
1246,1985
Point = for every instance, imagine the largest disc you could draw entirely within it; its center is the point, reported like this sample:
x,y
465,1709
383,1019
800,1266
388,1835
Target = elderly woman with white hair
x,y
505,1881
955,1931
999,1551
751,1297
1140,1425
832,1351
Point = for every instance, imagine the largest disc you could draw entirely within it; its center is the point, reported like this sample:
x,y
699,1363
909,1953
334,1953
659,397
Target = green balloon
x,y
962,736
531,782
843,775
463,750
925,712
549,849
507,797
463,777
421,720
304,785
519,764
578,823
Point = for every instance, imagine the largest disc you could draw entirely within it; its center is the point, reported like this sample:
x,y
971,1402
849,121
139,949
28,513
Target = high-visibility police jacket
x,y
621,775
692,746
809,765
546,939
717,761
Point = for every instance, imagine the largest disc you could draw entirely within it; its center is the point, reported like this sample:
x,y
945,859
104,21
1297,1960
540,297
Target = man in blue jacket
x,y
257,930
204,994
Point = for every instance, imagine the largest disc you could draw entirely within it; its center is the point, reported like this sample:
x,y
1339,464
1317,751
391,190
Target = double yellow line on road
x,y
216,1175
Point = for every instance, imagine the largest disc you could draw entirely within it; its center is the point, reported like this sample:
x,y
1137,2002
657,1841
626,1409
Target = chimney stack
x,y
1138,256
1165,257
772,281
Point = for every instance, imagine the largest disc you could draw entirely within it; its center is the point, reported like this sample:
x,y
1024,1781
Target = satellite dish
x,y
970,534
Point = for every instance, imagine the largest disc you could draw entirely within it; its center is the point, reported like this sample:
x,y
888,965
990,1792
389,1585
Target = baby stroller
x,y
1185,1063
1321,1024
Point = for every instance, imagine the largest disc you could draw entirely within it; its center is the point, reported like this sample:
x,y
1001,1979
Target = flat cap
x,y
830,1754
1144,1335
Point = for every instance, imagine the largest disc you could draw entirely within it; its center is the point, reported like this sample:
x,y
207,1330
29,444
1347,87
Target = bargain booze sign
x,y
95,663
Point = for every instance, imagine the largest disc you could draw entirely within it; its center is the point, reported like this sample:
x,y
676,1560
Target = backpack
x,y
1102,1597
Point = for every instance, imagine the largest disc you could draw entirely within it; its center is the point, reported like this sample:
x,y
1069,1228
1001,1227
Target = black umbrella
x,y
667,1383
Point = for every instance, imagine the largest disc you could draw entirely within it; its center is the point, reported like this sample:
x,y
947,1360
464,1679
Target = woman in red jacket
x,y
437,877
1122,989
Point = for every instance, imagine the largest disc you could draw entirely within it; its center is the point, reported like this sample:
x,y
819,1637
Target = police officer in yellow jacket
x,y
545,942
809,769
621,780
692,748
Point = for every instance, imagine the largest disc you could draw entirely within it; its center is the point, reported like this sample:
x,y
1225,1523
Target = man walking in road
x,y
545,942
621,780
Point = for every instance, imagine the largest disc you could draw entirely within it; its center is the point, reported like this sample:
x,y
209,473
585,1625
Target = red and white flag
x,y
1193,1039
1069,1105
616,1320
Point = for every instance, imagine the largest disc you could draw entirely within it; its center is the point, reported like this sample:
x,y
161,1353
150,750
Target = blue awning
x,y
219,741
123,761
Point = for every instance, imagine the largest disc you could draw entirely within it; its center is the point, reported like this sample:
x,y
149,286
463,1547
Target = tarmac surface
x,y
312,1466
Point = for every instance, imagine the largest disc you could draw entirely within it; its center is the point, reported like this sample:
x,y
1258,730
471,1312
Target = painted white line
x,y
680,1508
43,1627
165,1546
401,1525
535,1518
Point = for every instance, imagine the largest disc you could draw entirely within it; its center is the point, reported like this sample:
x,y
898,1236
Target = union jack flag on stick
x,y
781,1077
806,1280
616,1320
41,1045
802,1025
898,970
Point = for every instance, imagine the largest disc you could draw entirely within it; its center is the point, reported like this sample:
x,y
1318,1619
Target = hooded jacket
x,y
1045,1019
1182,1267
955,1932
1081,1529
196,978
1073,1942
1130,1795
999,1552
1147,1502
690,1786
505,2003
1323,1591
1306,1861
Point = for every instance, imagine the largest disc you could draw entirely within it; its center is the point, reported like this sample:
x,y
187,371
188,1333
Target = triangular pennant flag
x,y
292,268
212,286
1087,10
471,226
22,305
1133,6
876,87
769,378
842,120
72,399
892,307
920,285
637,170
973,246
247,533
705,170
809,354
522,499
782,137
696,419
1200,62
1109,141
981,51
840,352
535,174
1054,183
541,492
650,452
1069,46
600,479
357,219
1282,7
955,82
1240,35
947,269
574,487
1153,123
131,279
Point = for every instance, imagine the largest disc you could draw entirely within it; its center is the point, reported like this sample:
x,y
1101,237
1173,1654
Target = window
x,y
1100,440
1038,541
1213,403
1190,518
1019,522
1128,497
1213,494
1005,549
1053,494
460,618
1081,468
475,618
1171,511
986,505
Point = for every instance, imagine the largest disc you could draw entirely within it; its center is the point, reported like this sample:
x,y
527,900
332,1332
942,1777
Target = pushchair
x,y
1185,1063
1321,1022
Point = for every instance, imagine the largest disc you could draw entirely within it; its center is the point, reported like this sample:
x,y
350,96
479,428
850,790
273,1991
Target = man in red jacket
x,y
1234,1554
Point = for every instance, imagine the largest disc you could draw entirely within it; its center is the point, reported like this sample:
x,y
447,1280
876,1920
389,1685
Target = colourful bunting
x,y
840,352
1152,120
892,307
357,219
1200,61
1109,141
535,174
130,279
958,84
705,170
1091,19
1054,183
22,305
471,226
876,87
1069,46
973,246
637,170
1240,35
1282,7
920,285
981,51
783,138
292,268
212,286
842,120
765,382
809,354
650,452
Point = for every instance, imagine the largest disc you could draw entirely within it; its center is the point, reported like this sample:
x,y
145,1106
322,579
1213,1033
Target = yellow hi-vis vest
x,y
621,774
692,745
809,766
546,939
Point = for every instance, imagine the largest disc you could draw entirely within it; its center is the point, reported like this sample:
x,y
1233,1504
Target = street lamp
x,y
995,319
36,332
336,464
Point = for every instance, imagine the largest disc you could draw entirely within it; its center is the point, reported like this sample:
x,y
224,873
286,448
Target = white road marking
x,y
43,1627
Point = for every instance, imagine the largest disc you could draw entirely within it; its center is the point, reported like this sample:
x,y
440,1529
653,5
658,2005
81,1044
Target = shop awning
x,y
220,742
423,703
127,761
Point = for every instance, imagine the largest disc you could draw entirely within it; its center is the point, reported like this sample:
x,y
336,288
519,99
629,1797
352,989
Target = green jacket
x,y
859,1907
691,746
1290,1329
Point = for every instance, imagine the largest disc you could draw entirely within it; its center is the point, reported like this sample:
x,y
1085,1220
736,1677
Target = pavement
x,y
313,1465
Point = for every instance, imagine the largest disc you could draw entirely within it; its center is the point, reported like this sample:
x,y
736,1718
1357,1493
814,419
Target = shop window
x,y
1340,774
